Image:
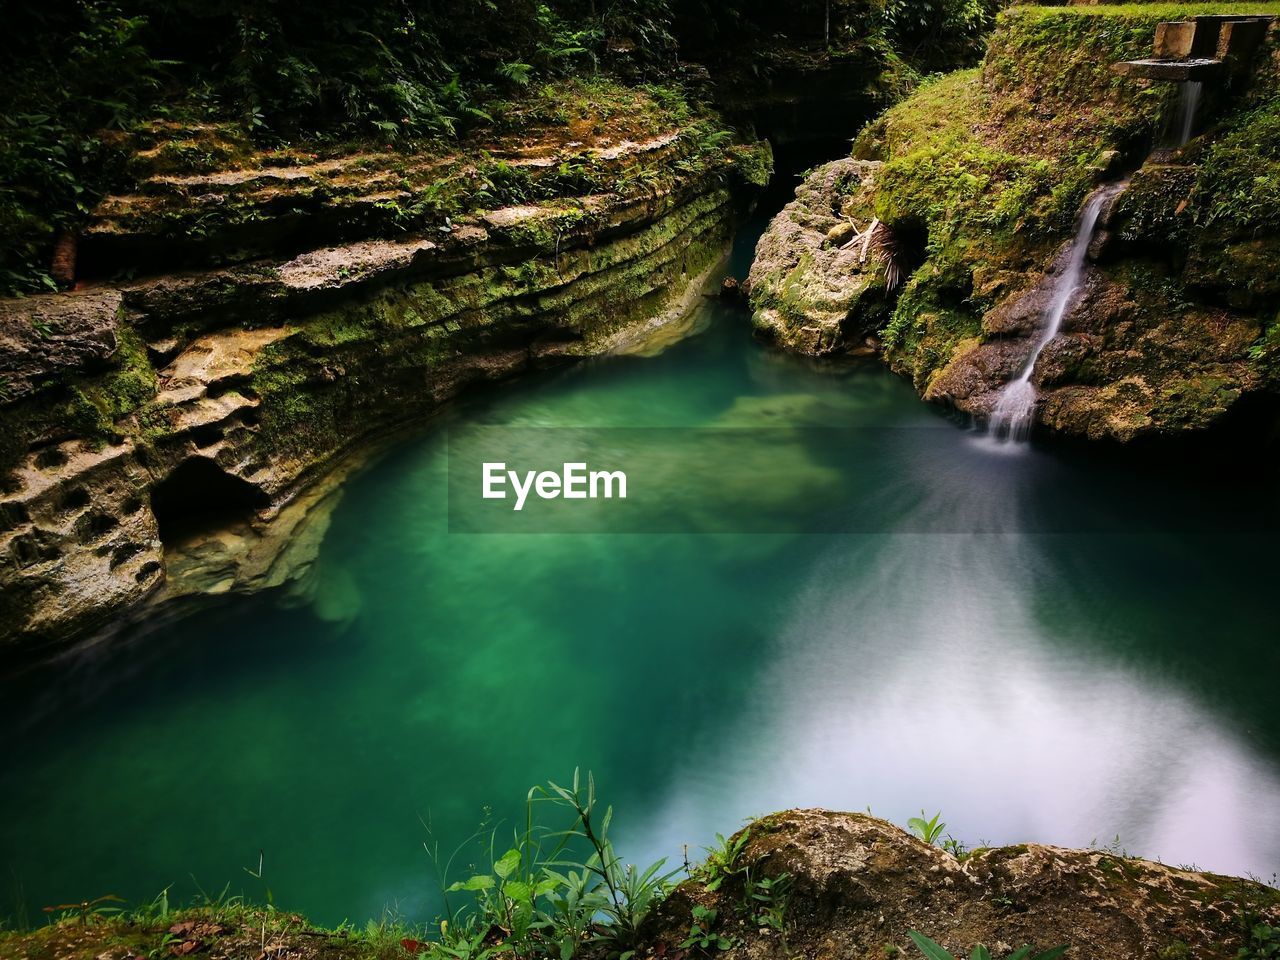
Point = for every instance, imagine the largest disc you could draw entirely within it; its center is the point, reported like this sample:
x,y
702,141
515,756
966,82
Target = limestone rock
x,y
812,290
248,384
44,335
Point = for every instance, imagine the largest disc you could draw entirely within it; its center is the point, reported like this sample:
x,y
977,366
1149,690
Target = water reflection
x,y
918,670
1057,688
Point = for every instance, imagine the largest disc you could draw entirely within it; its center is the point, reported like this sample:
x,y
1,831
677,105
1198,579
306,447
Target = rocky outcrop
x,y
45,336
816,286
853,886
977,180
805,883
172,435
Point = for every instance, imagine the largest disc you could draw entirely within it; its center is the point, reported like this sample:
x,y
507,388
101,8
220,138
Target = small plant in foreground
x,y
767,900
722,860
935,952
927,830
1263,943
702,932
102,906
535,900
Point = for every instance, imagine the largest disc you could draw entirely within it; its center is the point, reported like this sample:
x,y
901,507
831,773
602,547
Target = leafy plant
x,y
935,952
702,931
937,31
539,897
723,860
927,830
1263,943
767,901
629,892
521,74
98,907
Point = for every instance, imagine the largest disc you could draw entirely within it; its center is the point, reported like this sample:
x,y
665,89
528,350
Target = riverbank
x,y
809,883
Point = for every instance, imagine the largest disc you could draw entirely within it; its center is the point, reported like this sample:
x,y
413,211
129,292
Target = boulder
x,y
856,886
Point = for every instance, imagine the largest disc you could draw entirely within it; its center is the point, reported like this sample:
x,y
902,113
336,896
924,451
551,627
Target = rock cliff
x,y
155,428
971,188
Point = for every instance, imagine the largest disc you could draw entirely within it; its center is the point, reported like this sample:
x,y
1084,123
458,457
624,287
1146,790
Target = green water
x,y
1059,687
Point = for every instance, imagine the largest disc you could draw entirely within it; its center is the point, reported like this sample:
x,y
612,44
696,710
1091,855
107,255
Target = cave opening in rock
x,y
909,246
199,496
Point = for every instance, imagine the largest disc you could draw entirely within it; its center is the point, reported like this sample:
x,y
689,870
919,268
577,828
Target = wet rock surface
x,y
1172,329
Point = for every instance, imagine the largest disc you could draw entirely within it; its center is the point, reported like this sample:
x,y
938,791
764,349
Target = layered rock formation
x,y
975,183
154,428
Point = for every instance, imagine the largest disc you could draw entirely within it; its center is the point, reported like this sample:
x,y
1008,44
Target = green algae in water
x,y
1056,688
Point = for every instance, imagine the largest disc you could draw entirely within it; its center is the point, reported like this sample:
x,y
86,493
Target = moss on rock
x,y
990,167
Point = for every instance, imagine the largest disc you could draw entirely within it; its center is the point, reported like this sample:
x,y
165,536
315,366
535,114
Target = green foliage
x,y
553,890
935,952
79,75
1266,352
702,931
723,860
941,32
1238,185
927,830
767,900
1264,943
1262,940
73,73
994,186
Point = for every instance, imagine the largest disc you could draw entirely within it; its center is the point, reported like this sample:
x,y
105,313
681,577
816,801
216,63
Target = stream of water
x,y
1014,412
1067,687
1189,92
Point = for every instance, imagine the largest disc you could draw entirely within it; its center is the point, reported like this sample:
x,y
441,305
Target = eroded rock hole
x,y
50,458
77,498
242,385
124,553
198,497
94,526
206,436
907,243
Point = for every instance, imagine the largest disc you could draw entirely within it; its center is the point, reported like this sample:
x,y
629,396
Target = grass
x,y
1158,10
553,888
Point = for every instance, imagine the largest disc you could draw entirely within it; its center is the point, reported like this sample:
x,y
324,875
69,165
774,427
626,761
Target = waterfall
x,y
1015,408
1188,105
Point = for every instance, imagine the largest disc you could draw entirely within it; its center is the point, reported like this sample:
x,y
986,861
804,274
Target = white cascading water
x,y
1015,408
1188,105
